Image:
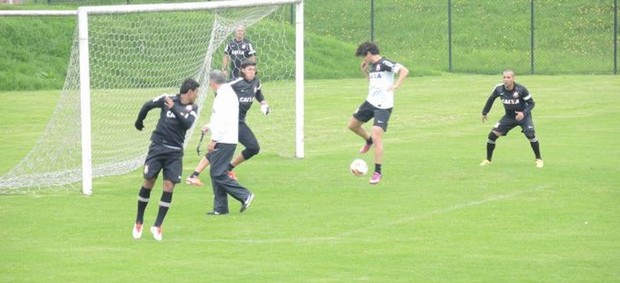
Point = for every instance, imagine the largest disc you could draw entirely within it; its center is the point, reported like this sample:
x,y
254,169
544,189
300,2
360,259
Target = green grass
x,y
436,217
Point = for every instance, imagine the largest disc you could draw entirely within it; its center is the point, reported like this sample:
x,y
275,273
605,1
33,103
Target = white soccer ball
x,y
358,167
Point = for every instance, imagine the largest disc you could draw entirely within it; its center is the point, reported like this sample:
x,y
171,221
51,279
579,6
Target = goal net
x,y
138,52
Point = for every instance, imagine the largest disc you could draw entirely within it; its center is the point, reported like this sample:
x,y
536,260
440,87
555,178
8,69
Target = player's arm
x,y
489,104
264,107
402,74
364,68
529,102
226,60
251,52
186,120
146,107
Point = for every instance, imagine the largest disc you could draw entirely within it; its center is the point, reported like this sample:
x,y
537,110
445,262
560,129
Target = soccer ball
x,y
358,167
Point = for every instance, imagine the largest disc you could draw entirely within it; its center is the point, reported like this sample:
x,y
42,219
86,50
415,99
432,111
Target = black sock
x,y
378,168
490,149
164,205
536,147
231,167
369,140
143,200
195,174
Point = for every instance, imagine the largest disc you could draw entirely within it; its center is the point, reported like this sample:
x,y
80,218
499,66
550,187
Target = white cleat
x,y
156,231
137,231
539,163
485,162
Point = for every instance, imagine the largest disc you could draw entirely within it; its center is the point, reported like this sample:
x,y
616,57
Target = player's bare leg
x,y
236,161
356,127
193,178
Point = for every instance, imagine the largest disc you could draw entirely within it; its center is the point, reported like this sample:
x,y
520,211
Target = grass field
x,y
436,217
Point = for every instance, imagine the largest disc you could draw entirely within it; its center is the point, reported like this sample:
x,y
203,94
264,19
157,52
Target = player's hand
x,y
211,146
484,118
139,125
264,107
519,116
168,101
205,129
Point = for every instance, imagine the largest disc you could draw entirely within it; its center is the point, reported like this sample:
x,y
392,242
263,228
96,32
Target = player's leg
x,y
172,170
219,159
152,167
382,116
530,134
362,115
501,128
194,179
250,144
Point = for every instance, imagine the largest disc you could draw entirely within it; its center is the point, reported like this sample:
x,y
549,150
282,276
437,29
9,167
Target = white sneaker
x,y
156,231
485,162
539,163
247,203
137,231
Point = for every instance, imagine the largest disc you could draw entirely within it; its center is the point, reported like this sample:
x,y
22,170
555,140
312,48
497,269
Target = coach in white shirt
x,y
224,127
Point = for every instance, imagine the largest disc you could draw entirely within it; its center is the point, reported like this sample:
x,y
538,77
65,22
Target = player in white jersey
x,y
379,102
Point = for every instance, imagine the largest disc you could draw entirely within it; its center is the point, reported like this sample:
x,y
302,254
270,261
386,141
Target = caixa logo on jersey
x,y
238,52
170,115
246,99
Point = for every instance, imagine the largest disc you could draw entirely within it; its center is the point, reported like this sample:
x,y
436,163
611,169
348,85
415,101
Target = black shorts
x,y
507,123
367,111
159,158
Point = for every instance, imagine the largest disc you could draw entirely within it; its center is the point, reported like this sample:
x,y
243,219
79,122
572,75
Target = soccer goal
x,y
124,55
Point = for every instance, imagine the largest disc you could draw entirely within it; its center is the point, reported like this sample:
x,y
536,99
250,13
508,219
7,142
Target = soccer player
x,y
518,104
224,127
238,49
178,113
379,101
248,89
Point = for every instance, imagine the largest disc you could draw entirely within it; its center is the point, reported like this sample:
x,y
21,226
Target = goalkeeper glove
x,y
139,125
264,107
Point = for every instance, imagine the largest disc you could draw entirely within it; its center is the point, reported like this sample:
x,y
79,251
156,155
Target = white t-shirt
x,y
224,123
381,79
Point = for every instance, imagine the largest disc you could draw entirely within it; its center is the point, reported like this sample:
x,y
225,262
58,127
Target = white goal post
x,y
221,28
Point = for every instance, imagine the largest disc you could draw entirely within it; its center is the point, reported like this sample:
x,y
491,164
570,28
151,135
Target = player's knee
x,y
249,152
492,137
530,135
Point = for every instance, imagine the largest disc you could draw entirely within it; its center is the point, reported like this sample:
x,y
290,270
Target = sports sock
x,y
164,205
143,200
491,145
231,167
378,168
195,174
369,140
536,147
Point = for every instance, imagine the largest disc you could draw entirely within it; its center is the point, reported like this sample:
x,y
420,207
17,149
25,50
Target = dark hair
x,y
189,84
247,62
366,47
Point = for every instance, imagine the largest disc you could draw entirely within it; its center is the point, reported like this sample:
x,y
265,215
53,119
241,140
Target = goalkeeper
x,y
248,89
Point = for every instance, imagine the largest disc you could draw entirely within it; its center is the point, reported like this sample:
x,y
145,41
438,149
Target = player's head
x,y
216,78
365,48
189,88
248,69
240,32
508,78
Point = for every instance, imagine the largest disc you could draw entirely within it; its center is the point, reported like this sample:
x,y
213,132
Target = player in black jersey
x,y
248,89
178,113
518,104
236,51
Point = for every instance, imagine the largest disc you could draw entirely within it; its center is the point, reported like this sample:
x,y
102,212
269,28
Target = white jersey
x,y
381,79
224,123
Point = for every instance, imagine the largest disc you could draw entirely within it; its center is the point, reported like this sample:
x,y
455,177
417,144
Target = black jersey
x,y
247,91
238,50
173,123
517,99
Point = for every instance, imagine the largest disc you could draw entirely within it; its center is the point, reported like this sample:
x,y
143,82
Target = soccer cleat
x,y
247,203
539,163
156,231
137,231
232,175
376,177
365,148
485,162
213,212
194,181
